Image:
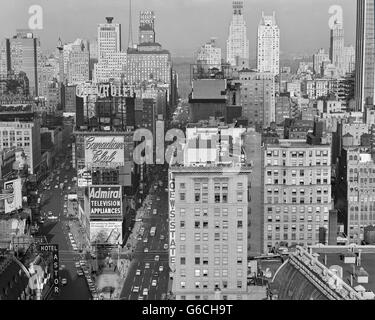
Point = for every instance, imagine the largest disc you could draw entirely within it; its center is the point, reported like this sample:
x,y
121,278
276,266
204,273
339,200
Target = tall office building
x,y
365,53
111,60
297,193
336,49
109,38
209,54
148,61
349,59
318,59
23,54
268,45
208,220
238,43
78,62
146,27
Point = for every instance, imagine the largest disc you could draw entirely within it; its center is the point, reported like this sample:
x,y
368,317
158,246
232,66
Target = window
x,y
197,236
239,196
182,224
205,224
239,260
197,212
239,284
197,272
182,236
197,260
183,284
217,197
225,236
197,224
182,185
239,224
205,236
183,260
225,212
182,248
239,236
239,212
182,196
217,236
182,213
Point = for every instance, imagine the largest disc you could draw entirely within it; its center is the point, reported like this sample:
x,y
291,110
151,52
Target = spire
x,y
60,45
130,36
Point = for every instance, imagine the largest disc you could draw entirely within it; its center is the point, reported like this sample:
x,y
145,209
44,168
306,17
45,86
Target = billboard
x,y
104,151
106,232
14,202
105,202
84,176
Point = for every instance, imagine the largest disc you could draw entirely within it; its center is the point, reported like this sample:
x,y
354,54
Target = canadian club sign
x,y
105,202
104,151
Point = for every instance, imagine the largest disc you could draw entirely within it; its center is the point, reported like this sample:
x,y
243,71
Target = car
x,y
140,298
50,213
78,265
145,250
64,281
139,238
157,258
161,268
158,198
154,283
135,289
145,240
138,272
66,197
56,186
82,263
156,274
147,265
69,188
162,237
65,181
154,211
65,205
145,292
165,246
75,248
79,272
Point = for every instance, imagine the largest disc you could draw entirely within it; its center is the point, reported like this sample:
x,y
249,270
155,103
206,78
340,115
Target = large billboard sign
x,y
84,176
106,232
14,189
105,202
104,151
172,223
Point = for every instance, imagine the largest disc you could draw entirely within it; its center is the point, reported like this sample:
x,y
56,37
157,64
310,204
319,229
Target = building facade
x,y
297,193
209,54
238,43
336,50
365,53
268,45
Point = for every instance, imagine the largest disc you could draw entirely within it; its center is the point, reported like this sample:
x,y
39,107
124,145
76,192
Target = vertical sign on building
x,y
54,249
172,223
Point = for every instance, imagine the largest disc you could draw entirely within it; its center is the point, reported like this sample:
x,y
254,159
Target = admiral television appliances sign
x,y
105,202
104,151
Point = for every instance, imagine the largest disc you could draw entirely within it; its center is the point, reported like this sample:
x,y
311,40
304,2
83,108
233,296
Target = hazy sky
x,y
182,25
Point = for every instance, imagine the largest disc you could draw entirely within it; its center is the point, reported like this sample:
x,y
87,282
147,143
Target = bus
x,y
152,231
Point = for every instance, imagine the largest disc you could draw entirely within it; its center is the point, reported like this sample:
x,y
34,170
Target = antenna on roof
x,y
130,36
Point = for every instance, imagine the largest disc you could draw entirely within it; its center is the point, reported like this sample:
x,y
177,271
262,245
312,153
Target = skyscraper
x,y
237,43
148,61
365,53
111,60
209,54
268,45
336,50
318,59
78,62
146,27
109,38
23,54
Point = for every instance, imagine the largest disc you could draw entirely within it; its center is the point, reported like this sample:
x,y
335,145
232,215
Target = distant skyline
x,y
182,26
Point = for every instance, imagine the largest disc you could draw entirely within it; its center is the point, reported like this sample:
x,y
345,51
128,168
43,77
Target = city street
x,y
155,247
56,233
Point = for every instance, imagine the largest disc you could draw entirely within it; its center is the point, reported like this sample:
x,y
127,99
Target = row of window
x,y
293,209
297,154
293,236
204,224
204,285
205,237
293,227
